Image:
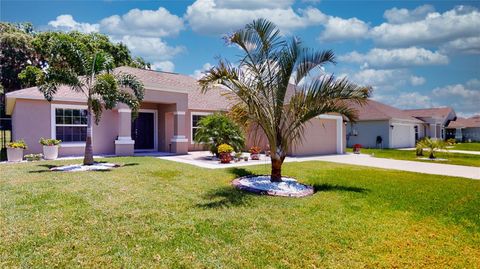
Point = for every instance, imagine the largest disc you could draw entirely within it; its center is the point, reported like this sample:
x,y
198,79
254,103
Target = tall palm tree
x,y
89,72
274,87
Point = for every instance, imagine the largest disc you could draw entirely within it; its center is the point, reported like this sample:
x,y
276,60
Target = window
x,y
195,120
71,124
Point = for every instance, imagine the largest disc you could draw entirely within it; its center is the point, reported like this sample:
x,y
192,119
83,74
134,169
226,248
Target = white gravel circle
x,y
83,168
262,184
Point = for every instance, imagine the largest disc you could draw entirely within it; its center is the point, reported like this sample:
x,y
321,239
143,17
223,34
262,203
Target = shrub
x,y
217,129
451,141
33,157
432,145
49,142
18,144
225,148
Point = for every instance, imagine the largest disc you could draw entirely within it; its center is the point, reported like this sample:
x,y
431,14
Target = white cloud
x,y
406,100
220,17
150,23
403,15
434,29
152,48
459,90
470,45
166,66
66,22
382,80
417,81
337,29
463,97
405,57
198,74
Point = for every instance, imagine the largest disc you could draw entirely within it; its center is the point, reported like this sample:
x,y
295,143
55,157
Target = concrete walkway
x,y
198,159
450,151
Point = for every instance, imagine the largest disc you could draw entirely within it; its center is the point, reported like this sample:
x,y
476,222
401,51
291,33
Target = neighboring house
x,y
383,126
167,120
464,129
436,119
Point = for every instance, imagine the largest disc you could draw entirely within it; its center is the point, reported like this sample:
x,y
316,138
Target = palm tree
x,y
274,88
90,73
432,145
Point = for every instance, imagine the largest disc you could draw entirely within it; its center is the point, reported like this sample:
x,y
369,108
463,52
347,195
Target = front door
x,y
143,131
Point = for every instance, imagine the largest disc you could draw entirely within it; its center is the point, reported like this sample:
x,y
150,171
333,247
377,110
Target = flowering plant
x,y
19,144
225,148
49,142
357,146
255,150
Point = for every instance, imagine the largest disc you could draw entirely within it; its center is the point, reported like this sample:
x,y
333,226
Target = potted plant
x,y
255,153
15,150
33,157
50,148
238,156
225,150
356,148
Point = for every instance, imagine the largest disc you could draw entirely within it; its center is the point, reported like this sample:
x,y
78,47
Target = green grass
x,y
451,158
155,213
474,146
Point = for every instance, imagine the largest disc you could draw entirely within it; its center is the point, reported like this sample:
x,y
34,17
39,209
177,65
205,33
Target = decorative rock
x,y
288,187
82,168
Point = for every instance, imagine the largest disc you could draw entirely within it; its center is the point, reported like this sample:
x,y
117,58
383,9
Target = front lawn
x,y
474,146
409,155
156,213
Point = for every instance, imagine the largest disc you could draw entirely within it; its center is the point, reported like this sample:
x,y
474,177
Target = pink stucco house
x,y
172,106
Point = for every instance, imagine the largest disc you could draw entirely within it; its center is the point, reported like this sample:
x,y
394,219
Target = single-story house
x,y
436,120
383,126
167,120
464,129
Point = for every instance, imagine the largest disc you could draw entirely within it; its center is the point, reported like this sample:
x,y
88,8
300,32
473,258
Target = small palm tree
x,y
271,65
90,74
432,145
218,129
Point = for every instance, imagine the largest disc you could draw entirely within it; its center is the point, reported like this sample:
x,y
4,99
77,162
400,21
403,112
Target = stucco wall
x,y
471,133
320,137
31,120
367,132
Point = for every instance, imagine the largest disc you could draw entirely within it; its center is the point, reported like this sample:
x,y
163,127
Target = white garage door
x,y
403,136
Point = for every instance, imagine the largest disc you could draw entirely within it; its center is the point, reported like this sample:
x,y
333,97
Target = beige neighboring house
x,y
436,120
465,129
167,120
383,126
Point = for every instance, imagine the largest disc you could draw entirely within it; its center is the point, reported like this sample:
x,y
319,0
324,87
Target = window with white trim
x,y
195,120
71,124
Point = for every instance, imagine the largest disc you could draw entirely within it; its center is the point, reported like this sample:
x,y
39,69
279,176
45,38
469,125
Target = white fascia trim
x,y
155,87
178,140
193,113
53,133
124,142
339,125
179,113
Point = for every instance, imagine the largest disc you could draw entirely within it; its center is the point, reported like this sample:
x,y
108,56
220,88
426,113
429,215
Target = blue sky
x,y
413,53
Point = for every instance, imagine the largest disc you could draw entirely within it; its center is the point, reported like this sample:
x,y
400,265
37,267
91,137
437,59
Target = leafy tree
x,y
89,71
262,77
432,145
217,129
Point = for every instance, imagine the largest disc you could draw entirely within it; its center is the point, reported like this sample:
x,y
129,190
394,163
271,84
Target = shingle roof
x,y
436,112
465,122
374,110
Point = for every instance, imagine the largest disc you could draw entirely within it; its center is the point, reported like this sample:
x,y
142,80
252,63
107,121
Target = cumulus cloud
x,y
417,81
66,22
166,66
219,17
469,45
403,15
434,29
150,23
338,29
407,100
404,57
463,97
199,73
152,48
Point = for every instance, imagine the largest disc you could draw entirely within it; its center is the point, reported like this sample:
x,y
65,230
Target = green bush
x,y
18,144
49,142
217,129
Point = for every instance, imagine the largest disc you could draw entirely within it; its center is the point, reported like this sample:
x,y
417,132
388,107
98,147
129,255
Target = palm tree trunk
x,y
88,158
276,175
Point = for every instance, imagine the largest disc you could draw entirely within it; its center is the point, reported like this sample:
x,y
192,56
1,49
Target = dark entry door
x,y
143,131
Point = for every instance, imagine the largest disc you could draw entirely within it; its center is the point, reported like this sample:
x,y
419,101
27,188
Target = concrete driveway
x,y
198,159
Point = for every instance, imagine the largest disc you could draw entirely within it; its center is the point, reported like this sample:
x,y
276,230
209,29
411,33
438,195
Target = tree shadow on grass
x,y
240,172
329,187
225,197
50,166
